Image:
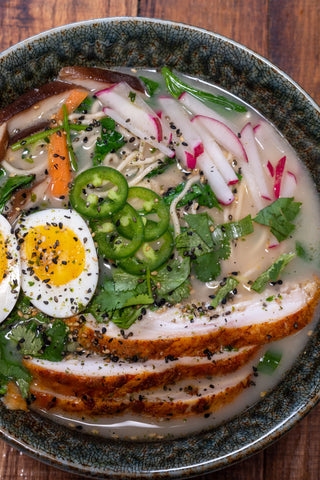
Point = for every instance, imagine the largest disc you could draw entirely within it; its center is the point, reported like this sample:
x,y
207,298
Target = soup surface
x,y
162,253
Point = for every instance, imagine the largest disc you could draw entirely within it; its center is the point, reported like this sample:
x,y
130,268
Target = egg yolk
x,y
3,257
55,255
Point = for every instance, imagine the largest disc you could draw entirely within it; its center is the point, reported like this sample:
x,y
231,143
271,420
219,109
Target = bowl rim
x,y
252,447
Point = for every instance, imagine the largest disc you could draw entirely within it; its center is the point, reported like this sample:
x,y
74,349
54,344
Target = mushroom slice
x,y
35,108
98,78
4,139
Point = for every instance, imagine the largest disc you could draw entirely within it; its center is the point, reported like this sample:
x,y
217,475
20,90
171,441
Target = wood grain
x,y
286,32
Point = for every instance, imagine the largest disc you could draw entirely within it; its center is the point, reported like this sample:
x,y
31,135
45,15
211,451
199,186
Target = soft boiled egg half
x,y
59,262
9,269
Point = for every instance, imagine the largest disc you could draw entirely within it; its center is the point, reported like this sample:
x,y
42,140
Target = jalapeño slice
x,y
151,255
113,245
99,192
153,210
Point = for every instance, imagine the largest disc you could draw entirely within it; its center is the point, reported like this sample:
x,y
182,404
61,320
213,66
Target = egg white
x,y
10,283
60,301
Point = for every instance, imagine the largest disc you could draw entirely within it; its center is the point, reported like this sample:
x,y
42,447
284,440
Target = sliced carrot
x,y
58,154
75,98
59,165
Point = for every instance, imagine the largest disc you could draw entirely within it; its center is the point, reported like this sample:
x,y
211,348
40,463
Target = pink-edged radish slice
x,y
266,134
224,136
179,118
133,126
215,179
288,185
250,146
214,151
119,97
278,176
273,242
196,107
270,168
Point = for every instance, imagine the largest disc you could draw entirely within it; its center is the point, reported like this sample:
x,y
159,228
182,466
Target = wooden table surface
x,y
284,31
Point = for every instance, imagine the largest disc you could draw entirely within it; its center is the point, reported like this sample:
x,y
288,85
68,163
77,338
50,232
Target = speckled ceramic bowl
x,y
153,43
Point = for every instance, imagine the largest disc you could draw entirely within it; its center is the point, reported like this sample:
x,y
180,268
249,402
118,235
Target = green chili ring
x,y
92,195
111,244
153,204
151,255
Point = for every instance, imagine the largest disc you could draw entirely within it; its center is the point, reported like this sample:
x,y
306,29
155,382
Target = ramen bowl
x,y
147,43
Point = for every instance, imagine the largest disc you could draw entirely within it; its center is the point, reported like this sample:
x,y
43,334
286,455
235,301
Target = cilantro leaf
x,y
11,368
207,267
163,166
190,243
272,273
57,336
109,141
201,223
201,192
125,317
279,216
26,338
230,284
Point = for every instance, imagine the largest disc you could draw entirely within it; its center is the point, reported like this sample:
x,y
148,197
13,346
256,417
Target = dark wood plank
x,y
23,18
241,20
294,41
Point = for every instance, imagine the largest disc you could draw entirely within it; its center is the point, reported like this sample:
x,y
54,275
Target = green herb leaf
x,y
151,85
179,293
200,192
201,223
279,216
26,338
57,336
10,185
272,273
207,267
230,285
176,87
269,362
163,166
110,140
125,317
171,275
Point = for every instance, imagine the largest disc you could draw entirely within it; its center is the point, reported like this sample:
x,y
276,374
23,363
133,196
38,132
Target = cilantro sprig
x,y
279,217
110,140
273,272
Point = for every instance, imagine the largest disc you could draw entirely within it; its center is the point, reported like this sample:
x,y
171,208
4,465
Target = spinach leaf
x,y
176,87
10,185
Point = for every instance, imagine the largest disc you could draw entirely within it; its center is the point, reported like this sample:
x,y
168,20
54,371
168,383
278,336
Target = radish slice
x,y
196,107
130,110
215,179
249,143
279,171
288,185
133,127
179,118
224,136
216,154
270,167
